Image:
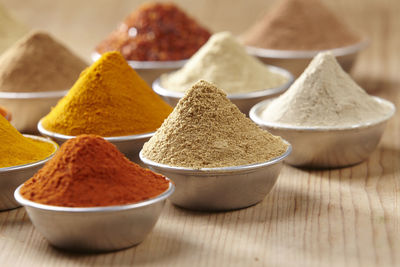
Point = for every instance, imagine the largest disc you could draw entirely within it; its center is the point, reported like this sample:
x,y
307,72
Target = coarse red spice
x,y
88,171
156,32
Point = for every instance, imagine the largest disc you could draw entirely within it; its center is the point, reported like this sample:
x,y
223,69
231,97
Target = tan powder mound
x,y
299,25
37,63
206,130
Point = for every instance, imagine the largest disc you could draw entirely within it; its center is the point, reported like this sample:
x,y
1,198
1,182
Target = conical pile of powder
x,y
223,61
324,95
37,63
10,30
108,99
299,25
206,130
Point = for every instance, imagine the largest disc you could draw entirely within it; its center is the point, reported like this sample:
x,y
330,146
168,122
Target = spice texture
x,y
299,25
206,130
156,32
10,29
109,99
88,171
38,62
223,61
324,95
16,149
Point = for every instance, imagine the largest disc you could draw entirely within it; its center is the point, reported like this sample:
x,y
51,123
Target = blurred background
x,y
82,24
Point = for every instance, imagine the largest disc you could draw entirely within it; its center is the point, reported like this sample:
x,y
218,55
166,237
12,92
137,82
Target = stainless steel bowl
x,y
150,70
217,189
12,177
244,101
28,108
96,228
327,147
297,61
130,145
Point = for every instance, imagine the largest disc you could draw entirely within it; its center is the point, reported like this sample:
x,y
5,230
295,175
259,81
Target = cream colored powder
x,y
223,61
206,130
324,95
10,30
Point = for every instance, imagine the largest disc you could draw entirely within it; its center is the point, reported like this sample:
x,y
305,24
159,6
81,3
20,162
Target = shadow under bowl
x,y
28,108
327,147
12,177
296,61
129,145
220,189
95,229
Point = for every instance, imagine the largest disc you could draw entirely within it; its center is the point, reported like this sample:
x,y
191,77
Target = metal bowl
x,y
297,61
95,228
28,108
150,70
130,145
12,177
244,101
218,189
327,147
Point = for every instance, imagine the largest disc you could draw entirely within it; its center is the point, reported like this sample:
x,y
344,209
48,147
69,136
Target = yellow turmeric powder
x,y
16,149
108,99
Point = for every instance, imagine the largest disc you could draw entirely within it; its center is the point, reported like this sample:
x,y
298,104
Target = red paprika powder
x,y
156,32
88,171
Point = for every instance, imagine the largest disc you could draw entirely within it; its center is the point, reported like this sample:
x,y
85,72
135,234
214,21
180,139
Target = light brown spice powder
x,y
206,130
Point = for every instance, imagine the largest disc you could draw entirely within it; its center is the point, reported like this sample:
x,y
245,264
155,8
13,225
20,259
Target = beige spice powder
x,y
206,130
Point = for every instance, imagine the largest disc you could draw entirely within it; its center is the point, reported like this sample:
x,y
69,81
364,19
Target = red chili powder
x,y
299,25
88,171
156,32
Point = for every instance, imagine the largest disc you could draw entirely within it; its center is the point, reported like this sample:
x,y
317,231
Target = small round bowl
x,y
12,177
96,229
150,70
244,101
28,108
130,145
219,189
327,147
297,61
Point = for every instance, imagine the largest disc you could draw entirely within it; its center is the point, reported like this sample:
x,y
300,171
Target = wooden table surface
x,y
341,217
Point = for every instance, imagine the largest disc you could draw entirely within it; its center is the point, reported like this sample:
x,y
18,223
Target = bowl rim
x,y
159,89
207,171
298,54
26,202
148,65
30,95
36,163
51,134
256,109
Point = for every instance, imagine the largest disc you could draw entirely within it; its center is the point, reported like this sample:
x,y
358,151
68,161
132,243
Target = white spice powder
x,y
324,95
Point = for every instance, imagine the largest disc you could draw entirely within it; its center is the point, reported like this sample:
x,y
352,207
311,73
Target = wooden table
x,y
342,217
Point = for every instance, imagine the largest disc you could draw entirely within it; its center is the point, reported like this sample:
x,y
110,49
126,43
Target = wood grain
x,y
342,217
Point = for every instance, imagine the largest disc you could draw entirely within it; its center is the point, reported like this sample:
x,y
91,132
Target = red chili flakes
x,y
156,32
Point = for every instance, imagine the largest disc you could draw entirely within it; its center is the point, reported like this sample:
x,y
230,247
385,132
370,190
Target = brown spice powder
x,y
299,25
38,63
206,130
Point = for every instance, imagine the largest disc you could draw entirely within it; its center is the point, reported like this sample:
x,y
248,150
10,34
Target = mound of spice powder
x,y
156,32
16,149
206,130
325,95
299,25
10,29
223,61
38,62
108,99
88,171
